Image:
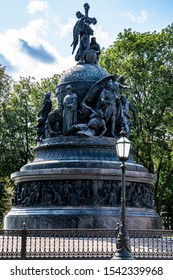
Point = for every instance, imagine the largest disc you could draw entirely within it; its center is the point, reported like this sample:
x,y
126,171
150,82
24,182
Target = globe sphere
x,y
81,77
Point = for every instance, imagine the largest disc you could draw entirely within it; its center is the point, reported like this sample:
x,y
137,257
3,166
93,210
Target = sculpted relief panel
x,y
105,193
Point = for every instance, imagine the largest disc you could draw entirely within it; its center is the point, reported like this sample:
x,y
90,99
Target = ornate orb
x,y
81,77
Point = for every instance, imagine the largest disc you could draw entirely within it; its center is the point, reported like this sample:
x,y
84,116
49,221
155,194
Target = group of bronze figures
x,y
81,193
107,117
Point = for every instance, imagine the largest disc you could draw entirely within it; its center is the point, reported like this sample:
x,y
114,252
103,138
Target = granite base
x,y
80,218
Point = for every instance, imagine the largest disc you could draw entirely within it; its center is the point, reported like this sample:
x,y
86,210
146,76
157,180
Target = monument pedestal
x,y
75,182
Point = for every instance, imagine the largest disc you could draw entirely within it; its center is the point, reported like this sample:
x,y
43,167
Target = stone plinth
x,y
80,218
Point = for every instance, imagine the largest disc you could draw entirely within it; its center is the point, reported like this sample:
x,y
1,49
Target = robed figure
x,y
69,109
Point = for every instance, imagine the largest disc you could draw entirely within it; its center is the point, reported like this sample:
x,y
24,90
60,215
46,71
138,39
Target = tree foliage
x,y
19,104
146,60
5,87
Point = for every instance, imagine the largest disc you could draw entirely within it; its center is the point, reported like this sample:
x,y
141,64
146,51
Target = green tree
x,y
4,201
5,87
18,120
146,60
19,104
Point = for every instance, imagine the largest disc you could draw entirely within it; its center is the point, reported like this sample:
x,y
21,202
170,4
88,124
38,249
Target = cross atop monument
x,y
82,32
86,17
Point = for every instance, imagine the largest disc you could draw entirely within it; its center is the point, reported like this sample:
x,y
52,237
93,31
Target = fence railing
x,y
84,244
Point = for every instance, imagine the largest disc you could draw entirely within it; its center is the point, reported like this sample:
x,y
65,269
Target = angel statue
x,y
81,34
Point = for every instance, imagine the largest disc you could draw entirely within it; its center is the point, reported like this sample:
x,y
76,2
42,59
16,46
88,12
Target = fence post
x,y
23,244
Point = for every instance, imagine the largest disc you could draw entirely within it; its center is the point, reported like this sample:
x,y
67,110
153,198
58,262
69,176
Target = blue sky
x,y
35,35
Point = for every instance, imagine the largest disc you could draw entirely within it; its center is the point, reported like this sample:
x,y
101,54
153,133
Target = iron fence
x,y
83,244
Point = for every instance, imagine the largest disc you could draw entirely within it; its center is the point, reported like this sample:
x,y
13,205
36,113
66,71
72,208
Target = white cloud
x,y
34,30
64,29
35,6
102,37
142,17
23,64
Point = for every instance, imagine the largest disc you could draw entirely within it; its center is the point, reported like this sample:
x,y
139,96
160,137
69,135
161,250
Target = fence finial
x,y
24,226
